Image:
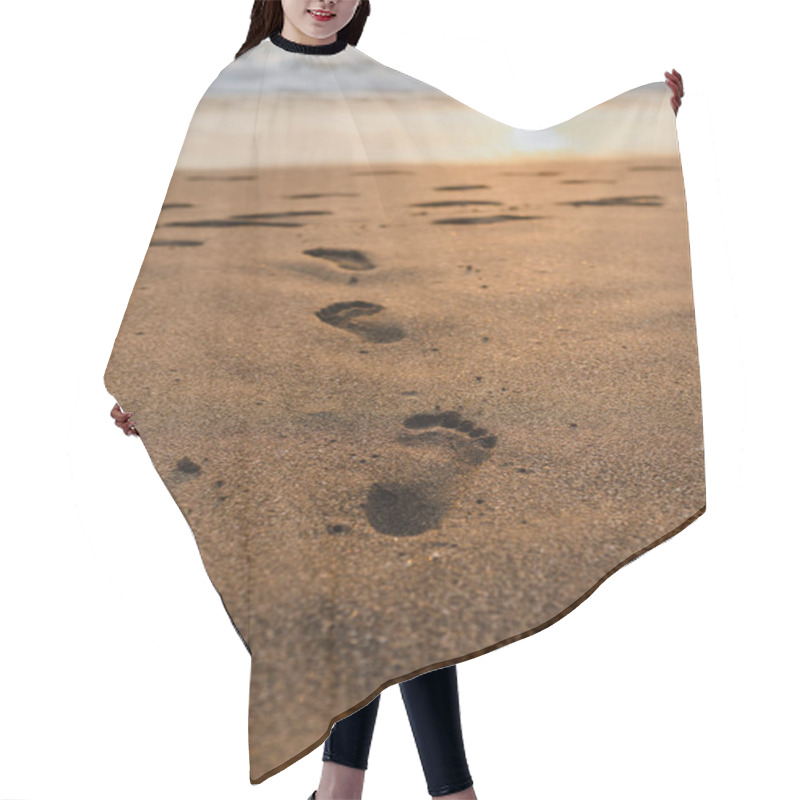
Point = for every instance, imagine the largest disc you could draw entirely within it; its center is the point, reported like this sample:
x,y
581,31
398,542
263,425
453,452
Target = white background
x,y
120,673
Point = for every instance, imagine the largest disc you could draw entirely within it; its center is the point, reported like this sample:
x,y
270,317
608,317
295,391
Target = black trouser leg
x,y
351,737
433,710
431,701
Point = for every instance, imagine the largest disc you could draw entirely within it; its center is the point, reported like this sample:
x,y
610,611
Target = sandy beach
x,y
390,433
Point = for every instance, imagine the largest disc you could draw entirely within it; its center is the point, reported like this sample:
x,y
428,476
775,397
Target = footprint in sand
x,y
362,319
346,259
443,449
636,200
176,243
482,220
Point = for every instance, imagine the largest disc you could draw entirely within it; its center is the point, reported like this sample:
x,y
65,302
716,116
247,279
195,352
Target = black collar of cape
x,y
310,49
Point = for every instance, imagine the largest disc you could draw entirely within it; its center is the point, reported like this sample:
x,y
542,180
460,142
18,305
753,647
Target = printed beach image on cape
x,y
419,381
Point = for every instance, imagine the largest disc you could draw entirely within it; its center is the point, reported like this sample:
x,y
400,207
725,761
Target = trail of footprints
x,y
411,505
407,506
356,316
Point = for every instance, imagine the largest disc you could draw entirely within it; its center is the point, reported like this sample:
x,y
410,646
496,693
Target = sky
x,y
286,97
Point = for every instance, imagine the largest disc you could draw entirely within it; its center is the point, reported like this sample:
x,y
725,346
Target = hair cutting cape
x,y
419,381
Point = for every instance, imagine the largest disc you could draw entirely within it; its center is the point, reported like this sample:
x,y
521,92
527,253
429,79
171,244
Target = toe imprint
x,y
475,447
451,419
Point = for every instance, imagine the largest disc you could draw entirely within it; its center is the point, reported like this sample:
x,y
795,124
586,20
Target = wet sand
x,y
424,409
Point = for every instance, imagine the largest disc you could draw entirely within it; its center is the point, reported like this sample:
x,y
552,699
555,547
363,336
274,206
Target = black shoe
x,y
313,795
